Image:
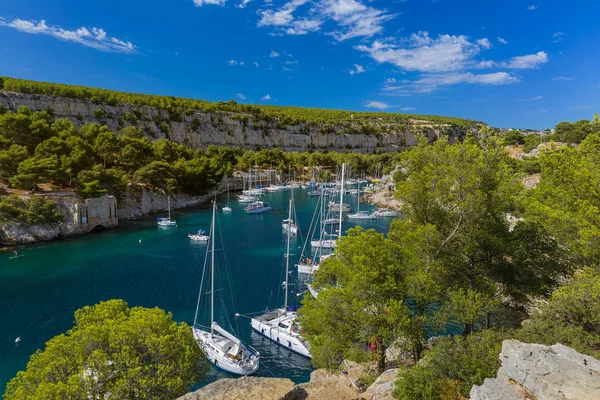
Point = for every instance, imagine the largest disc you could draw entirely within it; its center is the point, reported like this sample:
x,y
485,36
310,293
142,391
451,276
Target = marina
x,y
151,266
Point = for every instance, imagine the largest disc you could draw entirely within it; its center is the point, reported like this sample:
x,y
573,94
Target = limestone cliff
x,y
202,129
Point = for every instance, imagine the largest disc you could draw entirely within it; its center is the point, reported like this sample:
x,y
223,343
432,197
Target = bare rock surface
x,y
247,388
382,388
537,372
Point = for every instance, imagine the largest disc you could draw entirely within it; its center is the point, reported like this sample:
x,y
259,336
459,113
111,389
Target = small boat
x,y
227,208
384,212
222,348
200,236
314,193
166,222
17,340
336,207
361,215
324,243
257,207
289,226
243,198
331,221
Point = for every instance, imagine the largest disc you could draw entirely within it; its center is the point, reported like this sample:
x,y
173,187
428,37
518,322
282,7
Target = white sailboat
x,y
166,222
199,236
227,208
290,225
360,214
222,348
332,243
280,325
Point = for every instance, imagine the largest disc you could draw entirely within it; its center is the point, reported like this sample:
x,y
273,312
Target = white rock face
x,y
537,372
382,388
224,129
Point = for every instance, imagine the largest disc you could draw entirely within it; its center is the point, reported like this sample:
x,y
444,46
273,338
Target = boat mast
x,y
287,256
169,205
212,271
341,200
358,197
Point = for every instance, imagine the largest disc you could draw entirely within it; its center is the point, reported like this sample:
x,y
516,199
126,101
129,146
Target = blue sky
x,y
511,63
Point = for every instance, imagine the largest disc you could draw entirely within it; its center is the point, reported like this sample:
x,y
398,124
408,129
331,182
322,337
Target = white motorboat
x,y
324,243
222,349
257,207
384,212
242,198
200,236
336,207
331,221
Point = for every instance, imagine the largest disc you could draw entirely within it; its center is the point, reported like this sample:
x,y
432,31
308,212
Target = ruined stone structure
x,y
96,213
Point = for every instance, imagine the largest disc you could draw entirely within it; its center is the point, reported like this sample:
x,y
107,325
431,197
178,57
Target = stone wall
x,y
201,130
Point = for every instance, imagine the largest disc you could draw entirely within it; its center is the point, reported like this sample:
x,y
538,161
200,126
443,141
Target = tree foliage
x,y
113,352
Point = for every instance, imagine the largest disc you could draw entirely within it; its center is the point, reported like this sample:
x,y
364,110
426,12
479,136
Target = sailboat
x,y
167,221
227,208
290,225
360,214
222,348
331,243
280,325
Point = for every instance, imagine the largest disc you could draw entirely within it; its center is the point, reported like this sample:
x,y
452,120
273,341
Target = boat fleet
x,y
222,346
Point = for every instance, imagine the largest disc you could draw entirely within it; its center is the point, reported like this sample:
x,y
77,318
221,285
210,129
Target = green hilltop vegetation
x,y
177,106
36,149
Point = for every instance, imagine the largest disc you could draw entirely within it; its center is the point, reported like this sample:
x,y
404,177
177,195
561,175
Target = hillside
x,y
199,124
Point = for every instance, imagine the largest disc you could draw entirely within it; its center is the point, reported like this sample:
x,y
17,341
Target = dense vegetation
x,y
114,352
177,106
35,210
458,266
35,148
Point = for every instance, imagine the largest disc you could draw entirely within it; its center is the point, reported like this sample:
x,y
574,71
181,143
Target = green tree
x,y
452,363
10,160
362,301
571,317
157,175
113,352
106,147
33,169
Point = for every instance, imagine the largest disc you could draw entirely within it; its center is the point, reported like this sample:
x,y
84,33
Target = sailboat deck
x,y
268,316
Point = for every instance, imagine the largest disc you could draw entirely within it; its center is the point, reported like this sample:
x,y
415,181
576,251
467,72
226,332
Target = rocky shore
x,y
528,372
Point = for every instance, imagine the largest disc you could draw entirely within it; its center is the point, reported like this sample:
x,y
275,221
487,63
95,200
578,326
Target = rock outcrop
x,y
537,372
382,388
202,129
246,388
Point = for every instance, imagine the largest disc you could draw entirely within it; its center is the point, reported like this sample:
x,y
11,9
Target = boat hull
x,y
307,268
258,210
325,244
282,337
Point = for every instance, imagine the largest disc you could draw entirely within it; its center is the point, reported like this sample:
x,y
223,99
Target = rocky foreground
x,y
528,372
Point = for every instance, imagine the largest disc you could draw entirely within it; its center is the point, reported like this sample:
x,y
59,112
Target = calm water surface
x,y
40,291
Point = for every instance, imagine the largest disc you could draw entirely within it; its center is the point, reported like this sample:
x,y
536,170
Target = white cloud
x,y
354,18
274,54
266,97
243,4
235,63
240,96
391,80
255,64
351,18
563,78
407,108
294,62
286,69
95,38
484,43
377,104
529,61
558,34
485,64
532,7
200,3
431,82
501,41
424,53
281,17
358,69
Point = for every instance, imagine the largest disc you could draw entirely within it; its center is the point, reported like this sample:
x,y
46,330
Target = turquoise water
x,y
40,291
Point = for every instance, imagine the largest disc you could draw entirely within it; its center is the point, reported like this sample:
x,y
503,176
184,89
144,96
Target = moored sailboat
x,y
222,348
280,325
166,222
